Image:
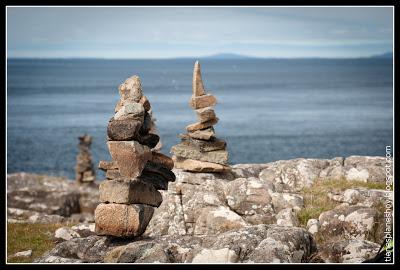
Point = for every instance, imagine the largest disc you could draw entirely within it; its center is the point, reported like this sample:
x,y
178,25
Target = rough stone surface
x,y
151,140
204,134
123,130
253,244
163,160
129,192
202,125
204,146
367,169
122,220
205,114
132,111
202,101
131,89
131,157
348,251
65,233
192,165
219,156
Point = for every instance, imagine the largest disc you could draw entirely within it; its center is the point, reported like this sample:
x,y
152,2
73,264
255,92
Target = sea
x,y
268,109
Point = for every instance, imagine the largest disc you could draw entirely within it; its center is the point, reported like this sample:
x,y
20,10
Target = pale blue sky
x,y
164,32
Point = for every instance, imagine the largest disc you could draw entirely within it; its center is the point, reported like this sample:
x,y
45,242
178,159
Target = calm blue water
x,y
269,109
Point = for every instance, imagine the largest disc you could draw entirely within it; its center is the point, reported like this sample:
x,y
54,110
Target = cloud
x,y
177,31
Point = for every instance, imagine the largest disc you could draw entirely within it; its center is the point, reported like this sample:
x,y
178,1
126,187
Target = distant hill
x,y
227,56
384,55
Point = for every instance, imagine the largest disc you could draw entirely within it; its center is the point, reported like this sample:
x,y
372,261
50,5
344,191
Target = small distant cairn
x,y
84,167
200,150
137,171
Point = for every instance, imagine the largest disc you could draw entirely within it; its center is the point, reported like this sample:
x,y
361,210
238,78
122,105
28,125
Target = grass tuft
x,y
37,237
316,198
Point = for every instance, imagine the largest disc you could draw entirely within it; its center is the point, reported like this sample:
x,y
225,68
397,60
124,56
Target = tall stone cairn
x,y
136,172
200,150
85,172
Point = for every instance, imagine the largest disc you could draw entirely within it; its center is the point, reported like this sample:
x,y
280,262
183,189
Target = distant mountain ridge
x,y
383,55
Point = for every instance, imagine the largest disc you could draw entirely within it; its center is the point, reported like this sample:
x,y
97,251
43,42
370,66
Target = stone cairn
x,y
200,150
84,168
136,172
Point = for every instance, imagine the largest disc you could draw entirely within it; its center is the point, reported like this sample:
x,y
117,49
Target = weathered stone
x,y
192,165
26,254
204,134
122,220
146,103
348,251
202,101
287,217
107,165
163,160
204,146
199,126
131,89
198,87
150,139
362,196
205,114
123,130
313,225
132,111
355,222
219,156
250,199
224,255
129,192
216,220
65,233
131,157
367,169
112,174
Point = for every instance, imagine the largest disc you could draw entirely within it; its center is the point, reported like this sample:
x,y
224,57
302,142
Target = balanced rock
x,y
122,220
130,156
200,150
84,167
136,172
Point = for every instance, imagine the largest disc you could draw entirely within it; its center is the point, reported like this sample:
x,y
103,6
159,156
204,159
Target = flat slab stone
x,y
205,114
112,174
199,126
134,109
107,165
131,157
123,130
202,101
129,192
204,146
204,134
163,160
192,165
122,220
182,150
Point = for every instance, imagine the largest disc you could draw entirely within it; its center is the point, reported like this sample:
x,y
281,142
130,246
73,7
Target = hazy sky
x,y
163,32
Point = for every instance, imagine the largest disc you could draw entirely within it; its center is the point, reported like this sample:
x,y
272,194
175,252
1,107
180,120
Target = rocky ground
x,y
300,210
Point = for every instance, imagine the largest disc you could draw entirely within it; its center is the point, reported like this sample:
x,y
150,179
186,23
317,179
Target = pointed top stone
x,y
198,87
131,89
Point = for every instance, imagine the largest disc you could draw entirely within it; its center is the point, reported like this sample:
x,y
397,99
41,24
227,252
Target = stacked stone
x,y
136,172
84,168
200,150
